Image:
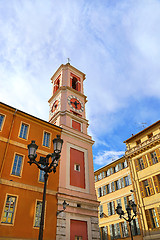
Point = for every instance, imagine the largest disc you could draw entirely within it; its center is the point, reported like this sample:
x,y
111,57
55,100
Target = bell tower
x,y
76,176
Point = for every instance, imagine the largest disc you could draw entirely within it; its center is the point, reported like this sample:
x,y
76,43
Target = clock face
x,y
54,106
75,103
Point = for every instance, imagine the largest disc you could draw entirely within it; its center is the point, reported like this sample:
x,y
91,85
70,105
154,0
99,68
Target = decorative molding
x,y
143,146
26,186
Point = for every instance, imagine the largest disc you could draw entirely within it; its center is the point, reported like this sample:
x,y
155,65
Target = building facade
x,y
143,154
113,185
76,179
21,185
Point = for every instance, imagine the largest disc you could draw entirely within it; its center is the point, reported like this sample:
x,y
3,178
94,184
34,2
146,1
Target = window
x,y
101,211
138,142
154,157
104,190
122,182
74,83
103,233
141,164
95,178
100,176
150,135
126,201
153,217
16,170
38,214
117,168
41,174
125,164
77,167
111,208
78,237
118,184
119,202
124,229
1,121
115,231
100,192
135,227
46,139
9,210
126,179
146,187
23,131
113,187
156,180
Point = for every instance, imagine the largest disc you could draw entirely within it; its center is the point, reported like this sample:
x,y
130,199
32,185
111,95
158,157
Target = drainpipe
x,y
7,144
135,183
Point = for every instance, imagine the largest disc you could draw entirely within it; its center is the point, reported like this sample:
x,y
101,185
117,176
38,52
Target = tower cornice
x,y
64,88
65,66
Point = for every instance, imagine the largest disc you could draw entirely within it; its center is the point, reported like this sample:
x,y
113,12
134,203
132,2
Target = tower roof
x,y
67,65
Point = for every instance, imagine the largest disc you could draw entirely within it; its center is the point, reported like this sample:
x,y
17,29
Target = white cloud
x,y
107,156
115,43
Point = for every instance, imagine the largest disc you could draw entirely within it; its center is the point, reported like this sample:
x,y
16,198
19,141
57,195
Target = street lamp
x,y
65,204
47,166
130,218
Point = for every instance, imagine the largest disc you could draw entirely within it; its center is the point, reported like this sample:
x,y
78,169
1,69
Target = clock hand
x,y
75,103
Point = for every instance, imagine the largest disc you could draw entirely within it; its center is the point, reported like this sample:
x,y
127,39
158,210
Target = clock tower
x,y
76,176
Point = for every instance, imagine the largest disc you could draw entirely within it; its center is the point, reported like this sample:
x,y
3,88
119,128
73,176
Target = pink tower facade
x,y
76,179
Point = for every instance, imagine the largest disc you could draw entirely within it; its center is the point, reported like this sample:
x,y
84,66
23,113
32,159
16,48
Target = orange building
x,y
21,185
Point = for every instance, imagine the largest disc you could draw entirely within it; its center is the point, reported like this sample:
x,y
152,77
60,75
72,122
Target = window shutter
x,y
157,214
148,219
70,81
151,186
109,210
156,183
125,202
122,182
79,87
158,154
99,192
136,164
149,159
145,161
113,207
102,191
129,178
142,189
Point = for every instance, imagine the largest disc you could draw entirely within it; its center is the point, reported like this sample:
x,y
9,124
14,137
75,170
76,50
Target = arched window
x,y
56,85
74,83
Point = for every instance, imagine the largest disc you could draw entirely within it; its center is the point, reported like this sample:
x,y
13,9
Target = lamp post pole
x,y
43,207
130,218
48,167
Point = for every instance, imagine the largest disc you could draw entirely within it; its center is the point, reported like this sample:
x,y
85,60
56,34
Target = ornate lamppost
x,y
47,166
120,212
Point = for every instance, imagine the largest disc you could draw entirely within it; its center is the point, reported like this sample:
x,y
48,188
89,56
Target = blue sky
x,y
115,43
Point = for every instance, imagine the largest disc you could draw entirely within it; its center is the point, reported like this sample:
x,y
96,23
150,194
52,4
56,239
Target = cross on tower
x,y
69,60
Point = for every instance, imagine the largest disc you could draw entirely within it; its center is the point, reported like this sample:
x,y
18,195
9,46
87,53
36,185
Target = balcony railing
x,y
143,144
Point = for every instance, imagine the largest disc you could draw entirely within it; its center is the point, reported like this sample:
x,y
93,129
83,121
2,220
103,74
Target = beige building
x,y
143,153
113,185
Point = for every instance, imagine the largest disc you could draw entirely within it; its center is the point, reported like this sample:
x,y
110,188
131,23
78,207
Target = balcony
x,y
140,147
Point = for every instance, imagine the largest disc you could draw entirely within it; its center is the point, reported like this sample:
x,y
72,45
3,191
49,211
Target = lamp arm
x,y
55,157
125,218
133,217
38,165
